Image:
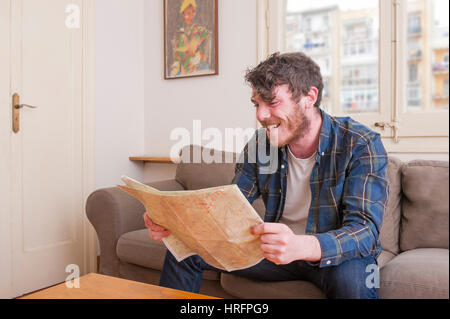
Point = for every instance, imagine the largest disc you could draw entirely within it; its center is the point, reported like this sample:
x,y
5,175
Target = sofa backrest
x,y
389,233
425,205
194,175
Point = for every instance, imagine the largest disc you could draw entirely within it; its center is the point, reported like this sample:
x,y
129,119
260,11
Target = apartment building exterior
x,y
359,63
316,33
345,44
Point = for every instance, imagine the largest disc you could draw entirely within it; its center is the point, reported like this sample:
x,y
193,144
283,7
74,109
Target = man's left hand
x,y
281,246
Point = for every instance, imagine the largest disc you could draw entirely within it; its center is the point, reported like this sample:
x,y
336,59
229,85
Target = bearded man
x,y
324,199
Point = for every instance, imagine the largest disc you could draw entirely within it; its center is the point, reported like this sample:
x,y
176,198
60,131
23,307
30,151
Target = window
x,y
325,20
424,28
414,95
414,23
307,25
413,75
382,63
323,43
355,32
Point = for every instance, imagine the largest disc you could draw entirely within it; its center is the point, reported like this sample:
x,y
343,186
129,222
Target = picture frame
x,y
190,38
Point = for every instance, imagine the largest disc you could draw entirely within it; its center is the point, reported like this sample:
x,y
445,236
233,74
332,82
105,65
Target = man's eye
x,y
274,103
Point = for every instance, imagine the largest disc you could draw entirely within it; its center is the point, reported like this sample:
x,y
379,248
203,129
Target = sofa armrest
x,y
114,212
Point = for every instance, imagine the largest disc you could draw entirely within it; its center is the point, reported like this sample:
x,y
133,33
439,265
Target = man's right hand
x,y
156,231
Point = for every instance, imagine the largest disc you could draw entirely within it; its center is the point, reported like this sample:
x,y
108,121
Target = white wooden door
x,y
45,208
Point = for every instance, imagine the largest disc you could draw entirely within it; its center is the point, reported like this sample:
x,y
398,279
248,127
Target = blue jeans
x,y
347,280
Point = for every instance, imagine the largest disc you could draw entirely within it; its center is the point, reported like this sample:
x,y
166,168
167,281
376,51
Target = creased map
x,y
213,223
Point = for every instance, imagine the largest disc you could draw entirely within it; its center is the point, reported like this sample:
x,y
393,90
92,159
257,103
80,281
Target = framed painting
x,y
190,38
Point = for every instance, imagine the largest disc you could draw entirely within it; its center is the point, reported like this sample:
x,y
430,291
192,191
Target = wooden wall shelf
x,y
147,159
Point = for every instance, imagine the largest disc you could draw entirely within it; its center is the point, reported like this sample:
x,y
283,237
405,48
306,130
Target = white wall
x,y
218,101
137,109
119,89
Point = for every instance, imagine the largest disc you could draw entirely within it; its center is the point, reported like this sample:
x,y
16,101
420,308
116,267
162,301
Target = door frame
x,y
5,154
89,105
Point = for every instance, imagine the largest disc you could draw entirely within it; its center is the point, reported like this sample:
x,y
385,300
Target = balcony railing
x,y
440,67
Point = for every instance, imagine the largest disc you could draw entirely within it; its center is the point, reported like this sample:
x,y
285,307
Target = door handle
x,y
395,126
19,106
16,106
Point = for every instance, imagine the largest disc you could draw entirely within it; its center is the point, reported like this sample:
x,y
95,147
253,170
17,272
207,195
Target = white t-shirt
x,y
298,192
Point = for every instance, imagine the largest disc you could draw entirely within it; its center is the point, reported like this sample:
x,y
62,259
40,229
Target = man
x,y
325,199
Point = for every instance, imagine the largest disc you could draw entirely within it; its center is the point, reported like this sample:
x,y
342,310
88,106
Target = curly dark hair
x,y
296,70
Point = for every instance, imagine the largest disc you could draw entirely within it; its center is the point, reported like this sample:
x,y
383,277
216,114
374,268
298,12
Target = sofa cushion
x,y
138,248
425,205
204,175
248,288
419,273
384,258
259,207
389,233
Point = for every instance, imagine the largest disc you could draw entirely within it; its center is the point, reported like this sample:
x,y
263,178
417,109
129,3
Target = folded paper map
x,y
213,223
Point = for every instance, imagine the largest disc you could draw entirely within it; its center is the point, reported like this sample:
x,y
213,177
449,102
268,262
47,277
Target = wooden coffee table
x,y
96,286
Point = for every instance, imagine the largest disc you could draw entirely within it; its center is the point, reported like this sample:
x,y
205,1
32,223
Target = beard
x,y
293,127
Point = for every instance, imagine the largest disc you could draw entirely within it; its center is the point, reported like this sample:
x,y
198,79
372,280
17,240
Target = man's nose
x,y
262,112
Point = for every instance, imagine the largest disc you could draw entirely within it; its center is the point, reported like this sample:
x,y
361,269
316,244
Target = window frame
x,y
405,131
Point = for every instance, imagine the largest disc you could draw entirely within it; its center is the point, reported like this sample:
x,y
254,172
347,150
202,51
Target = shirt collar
x,y
325,133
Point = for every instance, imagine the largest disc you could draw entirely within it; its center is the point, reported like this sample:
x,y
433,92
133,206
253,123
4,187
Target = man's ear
x,y
312,95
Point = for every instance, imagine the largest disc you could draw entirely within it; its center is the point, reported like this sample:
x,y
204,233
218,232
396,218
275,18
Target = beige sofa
x,y
415,234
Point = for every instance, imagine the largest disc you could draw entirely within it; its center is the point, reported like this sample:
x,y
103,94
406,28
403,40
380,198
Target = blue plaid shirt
x,y
349,188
